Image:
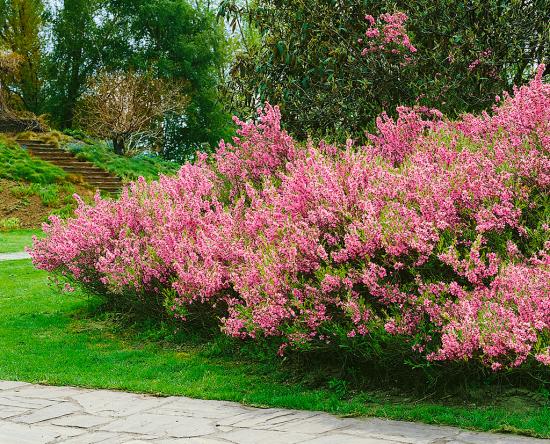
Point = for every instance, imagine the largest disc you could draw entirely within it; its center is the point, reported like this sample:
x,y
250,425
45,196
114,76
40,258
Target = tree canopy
x,y
332,66
308,57
20,24
172,40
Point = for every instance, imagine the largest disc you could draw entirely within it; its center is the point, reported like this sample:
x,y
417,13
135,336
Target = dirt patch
x,y
30,210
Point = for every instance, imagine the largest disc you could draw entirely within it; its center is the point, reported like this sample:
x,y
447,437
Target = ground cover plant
x,y
431,244
48,338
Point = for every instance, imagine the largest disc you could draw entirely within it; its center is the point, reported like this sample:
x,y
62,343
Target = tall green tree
x,y
184,42
76,55
310,61
20,25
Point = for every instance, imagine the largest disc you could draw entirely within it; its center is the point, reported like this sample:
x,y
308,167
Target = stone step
x,y
32,148
76,164
102,185
46,148
100,174
35,146
49,152
112,190
45,153
103,181
54,157
76,169
42,147
93,175
27,142
109,183
97,176
109,188
87,171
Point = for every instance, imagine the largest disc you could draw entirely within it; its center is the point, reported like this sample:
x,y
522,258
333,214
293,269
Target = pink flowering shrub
x,y
260,149
387,34
396,139
437,234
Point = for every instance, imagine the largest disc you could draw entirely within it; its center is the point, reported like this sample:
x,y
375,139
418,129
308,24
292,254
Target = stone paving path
x,y
35,414
14,256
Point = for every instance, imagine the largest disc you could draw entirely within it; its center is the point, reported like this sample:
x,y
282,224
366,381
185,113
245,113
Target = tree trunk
x,y
74,85
118,145
3,107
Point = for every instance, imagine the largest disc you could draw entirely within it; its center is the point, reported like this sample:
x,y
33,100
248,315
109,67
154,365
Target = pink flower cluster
x,y
387,34
437,233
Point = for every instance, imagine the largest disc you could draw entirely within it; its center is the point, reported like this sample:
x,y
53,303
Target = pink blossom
x,y
387,34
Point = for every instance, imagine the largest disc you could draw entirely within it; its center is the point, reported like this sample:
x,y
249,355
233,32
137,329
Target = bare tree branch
x,y
120,106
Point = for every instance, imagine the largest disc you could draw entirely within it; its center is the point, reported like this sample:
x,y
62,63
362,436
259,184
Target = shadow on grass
x,y
397,376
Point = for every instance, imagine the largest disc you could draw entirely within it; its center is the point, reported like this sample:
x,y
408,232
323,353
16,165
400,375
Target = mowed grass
x,y
16,241
63,339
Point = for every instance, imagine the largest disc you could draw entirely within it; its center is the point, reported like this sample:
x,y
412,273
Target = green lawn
x,y
16,241
51,338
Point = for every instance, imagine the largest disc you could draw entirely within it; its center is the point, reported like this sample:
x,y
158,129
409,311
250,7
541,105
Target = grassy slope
x,y
31,189
16,164
58,339
37,171
16,241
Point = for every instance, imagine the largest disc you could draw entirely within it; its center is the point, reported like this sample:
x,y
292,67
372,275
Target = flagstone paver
x,y
37,414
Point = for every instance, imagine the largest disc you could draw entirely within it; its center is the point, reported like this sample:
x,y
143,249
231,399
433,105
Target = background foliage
x,y
305,57
172,39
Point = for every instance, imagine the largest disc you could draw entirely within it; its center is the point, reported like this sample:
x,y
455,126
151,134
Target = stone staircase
x,y
93,175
